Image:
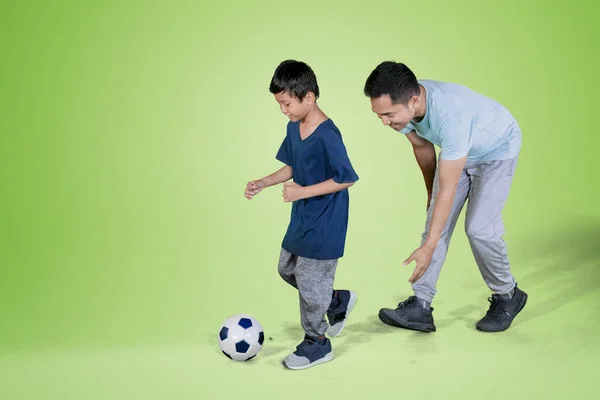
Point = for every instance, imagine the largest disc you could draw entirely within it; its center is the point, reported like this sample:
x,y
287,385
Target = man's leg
x,y
484,226
485,229
416,313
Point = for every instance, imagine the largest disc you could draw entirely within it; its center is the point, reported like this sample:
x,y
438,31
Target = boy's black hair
x,y
295,78
393,79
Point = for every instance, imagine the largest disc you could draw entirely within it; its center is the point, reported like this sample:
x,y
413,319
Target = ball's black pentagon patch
x,y
224,332
242,347
245,323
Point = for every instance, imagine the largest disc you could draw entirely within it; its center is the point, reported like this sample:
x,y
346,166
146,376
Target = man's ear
x,y
414,103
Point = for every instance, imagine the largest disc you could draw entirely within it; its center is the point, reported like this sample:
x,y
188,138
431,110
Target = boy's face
x,y
396,116
292,107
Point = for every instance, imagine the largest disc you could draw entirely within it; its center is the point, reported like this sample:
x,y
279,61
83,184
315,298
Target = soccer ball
x,y
241,337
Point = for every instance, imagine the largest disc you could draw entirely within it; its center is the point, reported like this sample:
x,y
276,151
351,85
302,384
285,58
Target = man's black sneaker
x,y
337,318
409,314
502,311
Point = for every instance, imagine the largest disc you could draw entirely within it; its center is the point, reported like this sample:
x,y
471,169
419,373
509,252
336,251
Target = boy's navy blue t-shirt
x,y
318,225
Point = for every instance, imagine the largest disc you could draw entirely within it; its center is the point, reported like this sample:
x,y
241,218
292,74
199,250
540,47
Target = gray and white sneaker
x,y
337,317
309,353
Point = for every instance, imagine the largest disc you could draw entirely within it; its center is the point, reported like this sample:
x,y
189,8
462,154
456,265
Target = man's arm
x,y
449,175
425,155
455,135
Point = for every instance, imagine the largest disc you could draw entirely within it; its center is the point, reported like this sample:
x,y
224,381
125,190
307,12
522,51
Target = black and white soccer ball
x,y
241,337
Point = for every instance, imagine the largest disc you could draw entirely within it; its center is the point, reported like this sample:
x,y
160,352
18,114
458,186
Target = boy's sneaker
x,y
338,317
309,353
502,311
409,314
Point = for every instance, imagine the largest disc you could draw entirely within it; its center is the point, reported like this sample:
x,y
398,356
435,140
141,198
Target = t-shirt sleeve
x,y
285,151
408,129
340,164
455,137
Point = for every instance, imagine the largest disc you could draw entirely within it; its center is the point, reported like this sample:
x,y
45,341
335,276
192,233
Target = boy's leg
x,y
415,312
315,285
287,267
342,304
485,229
342,301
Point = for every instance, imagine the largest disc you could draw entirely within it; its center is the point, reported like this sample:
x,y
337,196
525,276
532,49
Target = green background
x,y
128,133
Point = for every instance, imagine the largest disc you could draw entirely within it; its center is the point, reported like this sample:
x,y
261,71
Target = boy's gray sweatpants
x,y
314,281
486,185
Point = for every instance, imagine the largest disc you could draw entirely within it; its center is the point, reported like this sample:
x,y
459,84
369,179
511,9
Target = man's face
x,y
396,116
293,108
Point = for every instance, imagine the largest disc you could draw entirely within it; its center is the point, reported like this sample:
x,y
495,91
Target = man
x,y
480,143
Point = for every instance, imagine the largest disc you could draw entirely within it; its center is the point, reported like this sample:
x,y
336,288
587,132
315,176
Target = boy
x,y
315,157
480,142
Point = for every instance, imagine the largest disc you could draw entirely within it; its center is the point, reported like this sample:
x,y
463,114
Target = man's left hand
x,y
422,256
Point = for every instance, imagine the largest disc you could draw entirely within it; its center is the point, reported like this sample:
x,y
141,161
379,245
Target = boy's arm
x,y
425,155
255,187
343,177
294,192
282,175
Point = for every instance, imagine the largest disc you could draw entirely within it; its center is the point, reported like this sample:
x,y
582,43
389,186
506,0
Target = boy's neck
x,y
314,117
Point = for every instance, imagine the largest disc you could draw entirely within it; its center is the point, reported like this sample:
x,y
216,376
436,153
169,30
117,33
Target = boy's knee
x,y
285,271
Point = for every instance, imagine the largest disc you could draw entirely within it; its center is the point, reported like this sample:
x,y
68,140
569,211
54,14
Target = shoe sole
x,y
328,357
413,326
521,306
351,304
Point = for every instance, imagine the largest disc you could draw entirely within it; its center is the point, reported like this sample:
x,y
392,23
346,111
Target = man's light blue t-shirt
x,y
463,122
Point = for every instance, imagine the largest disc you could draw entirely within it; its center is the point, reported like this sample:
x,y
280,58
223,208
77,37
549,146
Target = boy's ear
x,y
309,98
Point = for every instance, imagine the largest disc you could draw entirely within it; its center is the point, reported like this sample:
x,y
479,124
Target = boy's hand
x,y
292,192
253,188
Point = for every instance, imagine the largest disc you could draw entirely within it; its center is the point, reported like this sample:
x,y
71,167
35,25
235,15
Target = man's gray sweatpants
x,y
486,185
314,281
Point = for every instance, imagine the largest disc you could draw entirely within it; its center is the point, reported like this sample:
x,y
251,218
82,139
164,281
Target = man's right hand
x,y
253,188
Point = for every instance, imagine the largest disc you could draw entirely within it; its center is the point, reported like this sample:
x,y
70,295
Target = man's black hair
x,y
392,79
